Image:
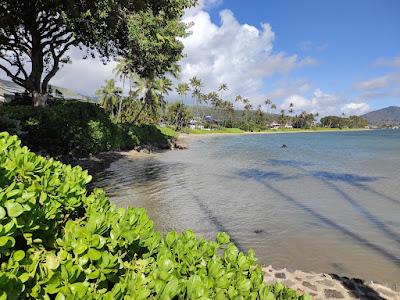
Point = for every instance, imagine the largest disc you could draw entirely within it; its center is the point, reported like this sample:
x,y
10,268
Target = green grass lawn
x,y
237,130
221,130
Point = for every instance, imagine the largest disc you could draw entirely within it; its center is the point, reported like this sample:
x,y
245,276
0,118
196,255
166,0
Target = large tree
x,y
35,36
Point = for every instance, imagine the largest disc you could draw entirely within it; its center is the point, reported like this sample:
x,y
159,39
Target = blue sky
x,y
352,44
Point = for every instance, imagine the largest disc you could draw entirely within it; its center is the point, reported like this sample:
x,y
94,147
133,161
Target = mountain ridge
x,y
387,116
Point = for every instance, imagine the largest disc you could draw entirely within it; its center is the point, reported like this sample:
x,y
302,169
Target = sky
x,y
331,57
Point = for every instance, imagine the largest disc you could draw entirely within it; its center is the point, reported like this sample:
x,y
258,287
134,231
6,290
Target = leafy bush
x,y
59,242
77,129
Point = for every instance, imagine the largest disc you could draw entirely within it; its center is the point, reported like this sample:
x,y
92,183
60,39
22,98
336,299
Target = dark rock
x,y
280,275
349,285
329,293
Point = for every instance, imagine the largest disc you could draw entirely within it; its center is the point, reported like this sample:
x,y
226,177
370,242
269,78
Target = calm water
x,y
330,202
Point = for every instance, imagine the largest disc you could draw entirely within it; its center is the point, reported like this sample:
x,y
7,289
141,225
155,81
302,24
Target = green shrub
x,y
76,129
59,242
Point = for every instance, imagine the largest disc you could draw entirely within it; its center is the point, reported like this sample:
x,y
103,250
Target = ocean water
x,y
329,202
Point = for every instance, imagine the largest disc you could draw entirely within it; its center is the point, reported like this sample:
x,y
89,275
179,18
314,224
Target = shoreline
x,y
330,286
211,134
318,285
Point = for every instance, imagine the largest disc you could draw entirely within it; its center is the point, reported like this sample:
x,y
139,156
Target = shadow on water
x,y
216,222
392,258
150,171
352,179
345,177
356,181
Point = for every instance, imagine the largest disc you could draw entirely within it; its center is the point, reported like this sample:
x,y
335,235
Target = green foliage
x,y
77,129
59,242
342,122
178,115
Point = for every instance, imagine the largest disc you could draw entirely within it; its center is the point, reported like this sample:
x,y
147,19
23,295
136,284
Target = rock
x,y
280,275
329,293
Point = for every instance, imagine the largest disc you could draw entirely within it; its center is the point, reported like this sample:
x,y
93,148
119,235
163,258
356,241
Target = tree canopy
x,y
35,36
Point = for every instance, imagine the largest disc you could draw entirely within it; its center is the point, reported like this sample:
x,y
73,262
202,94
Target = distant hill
x,y
384,117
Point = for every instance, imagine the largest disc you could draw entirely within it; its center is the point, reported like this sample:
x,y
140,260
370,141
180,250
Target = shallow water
x,y
330,202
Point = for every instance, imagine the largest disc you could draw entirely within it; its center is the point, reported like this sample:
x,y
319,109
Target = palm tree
x,y
196,85
228,106
182,89
223,87
164,85
109,95
150,89
247,108
268,102
282,117
238,98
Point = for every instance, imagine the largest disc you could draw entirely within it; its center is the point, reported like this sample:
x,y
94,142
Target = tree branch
x,y
14,78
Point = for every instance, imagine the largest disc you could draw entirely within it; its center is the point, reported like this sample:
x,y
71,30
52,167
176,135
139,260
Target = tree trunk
x,y
39,100
119,110
139,113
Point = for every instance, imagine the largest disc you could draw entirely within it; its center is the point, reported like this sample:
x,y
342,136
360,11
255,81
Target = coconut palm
x,y
196,85
164,87
268,103
150,89
182,89
109,95
223,87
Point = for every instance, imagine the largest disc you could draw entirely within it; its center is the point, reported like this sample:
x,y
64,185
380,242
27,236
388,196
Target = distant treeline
x,y
343,122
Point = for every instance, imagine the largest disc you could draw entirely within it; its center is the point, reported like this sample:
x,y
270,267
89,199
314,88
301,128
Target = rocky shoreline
x,y
330,286
318,285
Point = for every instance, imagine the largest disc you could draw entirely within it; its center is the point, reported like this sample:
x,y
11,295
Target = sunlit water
x,y
330,202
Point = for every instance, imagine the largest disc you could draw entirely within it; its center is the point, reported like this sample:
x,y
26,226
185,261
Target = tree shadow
x,y
325,220
357,287
257,174
352,179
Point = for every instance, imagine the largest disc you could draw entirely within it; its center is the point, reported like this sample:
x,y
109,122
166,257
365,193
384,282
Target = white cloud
x,y
286,89
324,104
238,54
375,83
391,63
355,108
386,86
84,76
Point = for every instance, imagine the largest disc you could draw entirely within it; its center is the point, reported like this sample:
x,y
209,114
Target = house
x,y
9,91
288,126
274,125
193,124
